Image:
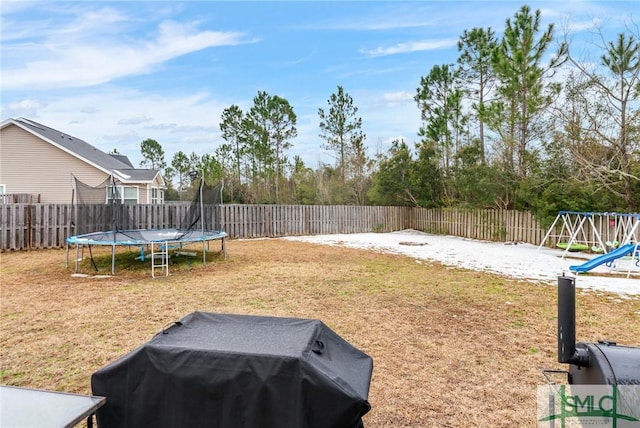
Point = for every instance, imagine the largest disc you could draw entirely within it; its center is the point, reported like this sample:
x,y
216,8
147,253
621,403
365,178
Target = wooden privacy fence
x,y
255,221
19,198
488,225
35,226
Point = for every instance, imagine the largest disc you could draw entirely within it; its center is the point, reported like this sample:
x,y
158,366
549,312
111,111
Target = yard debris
x,y
413,243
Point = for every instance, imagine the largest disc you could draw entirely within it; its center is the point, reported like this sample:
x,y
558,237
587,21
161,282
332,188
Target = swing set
x,y
592,232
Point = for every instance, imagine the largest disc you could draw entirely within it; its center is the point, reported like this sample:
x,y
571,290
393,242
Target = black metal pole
x,y
566,318
567,351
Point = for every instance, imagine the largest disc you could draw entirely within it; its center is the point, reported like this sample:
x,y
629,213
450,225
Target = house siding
x,y
157,184
142,194
30,165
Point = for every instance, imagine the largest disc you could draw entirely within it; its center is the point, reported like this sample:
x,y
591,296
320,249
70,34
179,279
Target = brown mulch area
x,y
451,348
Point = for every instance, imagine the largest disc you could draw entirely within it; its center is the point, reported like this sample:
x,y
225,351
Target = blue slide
x,y
597,261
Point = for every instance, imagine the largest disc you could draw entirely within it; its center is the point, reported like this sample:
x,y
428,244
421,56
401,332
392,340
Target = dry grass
x,y
451,348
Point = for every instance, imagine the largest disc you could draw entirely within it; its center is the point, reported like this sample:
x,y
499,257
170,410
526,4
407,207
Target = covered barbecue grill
x,y
218,370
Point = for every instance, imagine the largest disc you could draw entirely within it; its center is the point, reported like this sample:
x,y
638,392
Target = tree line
x,y
514,123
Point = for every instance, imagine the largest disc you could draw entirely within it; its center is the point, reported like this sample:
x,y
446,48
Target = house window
x,y
127,194
157,196
3,189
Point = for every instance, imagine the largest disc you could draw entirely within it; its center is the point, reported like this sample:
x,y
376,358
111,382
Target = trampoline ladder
x,y
160,259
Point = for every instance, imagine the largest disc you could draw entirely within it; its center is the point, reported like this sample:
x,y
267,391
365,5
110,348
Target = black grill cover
x,y
215,370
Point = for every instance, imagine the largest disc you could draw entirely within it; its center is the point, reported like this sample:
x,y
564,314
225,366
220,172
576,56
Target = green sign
x,y
615,406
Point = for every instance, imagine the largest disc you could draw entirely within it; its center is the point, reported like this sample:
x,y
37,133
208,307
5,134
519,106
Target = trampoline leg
x,y
113,260
75,268
153,259
224,248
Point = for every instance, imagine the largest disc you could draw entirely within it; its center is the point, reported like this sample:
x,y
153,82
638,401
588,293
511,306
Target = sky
x,y
115,73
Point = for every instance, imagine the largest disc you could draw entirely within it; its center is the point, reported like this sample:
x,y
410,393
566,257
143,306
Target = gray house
x,y
42,161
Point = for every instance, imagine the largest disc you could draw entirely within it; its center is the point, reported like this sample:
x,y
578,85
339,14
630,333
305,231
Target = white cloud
x,y
586,25
416,46
191,129
124,137
74,56
398,97
135,120
162,126
368,71
89,110
89,23
24,107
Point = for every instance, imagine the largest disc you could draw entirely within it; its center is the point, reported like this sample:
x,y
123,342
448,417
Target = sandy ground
x,y
520,261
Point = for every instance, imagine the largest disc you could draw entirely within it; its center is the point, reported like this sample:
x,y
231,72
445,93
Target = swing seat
x,y
574,247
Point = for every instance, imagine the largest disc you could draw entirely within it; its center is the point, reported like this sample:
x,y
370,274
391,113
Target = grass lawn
x,y
451,348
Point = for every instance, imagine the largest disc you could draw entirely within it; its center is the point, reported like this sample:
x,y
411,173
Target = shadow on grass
x,y
98,261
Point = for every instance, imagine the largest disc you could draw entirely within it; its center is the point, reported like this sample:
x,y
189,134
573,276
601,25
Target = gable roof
x,y
122,158
117,164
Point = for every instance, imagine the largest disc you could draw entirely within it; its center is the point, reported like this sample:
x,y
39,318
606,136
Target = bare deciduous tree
x,y
607,95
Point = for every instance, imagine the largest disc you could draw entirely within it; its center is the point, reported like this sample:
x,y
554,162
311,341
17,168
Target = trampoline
x,y
189,228
159,241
